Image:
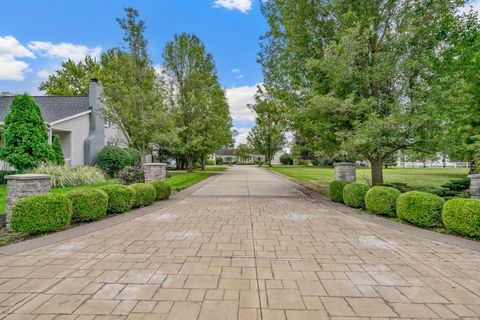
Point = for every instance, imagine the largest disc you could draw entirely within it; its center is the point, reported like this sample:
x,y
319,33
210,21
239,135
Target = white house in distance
x,y
76,121
228,156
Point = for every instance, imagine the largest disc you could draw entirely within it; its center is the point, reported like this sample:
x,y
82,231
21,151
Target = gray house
x,y
76,121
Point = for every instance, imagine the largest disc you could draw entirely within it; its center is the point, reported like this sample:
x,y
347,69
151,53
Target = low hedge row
x,y
49,212
423,209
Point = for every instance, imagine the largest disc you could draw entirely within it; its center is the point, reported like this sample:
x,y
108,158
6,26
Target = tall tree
x,y
72,78
363,71
243,151
25,135
267,136
134,97
197,101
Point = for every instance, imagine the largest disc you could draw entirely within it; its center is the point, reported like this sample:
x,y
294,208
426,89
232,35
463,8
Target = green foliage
x,y
462,216
219,161
72,79
129,175
403,187
455,188
197,100
163,190
134,157
420,208
113,159
354,195
286,159
64,176
41,213
335,190
243,152
145,194
57,151
25,135
120,198
210,162
3,174
88,204
382,200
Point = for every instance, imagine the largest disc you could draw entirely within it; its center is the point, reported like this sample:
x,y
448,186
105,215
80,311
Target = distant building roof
x,y
225,152
53,108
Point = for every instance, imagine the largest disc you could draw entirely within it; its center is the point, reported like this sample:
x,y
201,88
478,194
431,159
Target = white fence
x,y
430,164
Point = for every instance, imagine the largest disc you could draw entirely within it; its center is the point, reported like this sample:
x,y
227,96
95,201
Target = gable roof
x,y
53,108
225,152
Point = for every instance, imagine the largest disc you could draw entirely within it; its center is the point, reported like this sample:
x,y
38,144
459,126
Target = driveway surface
x,y
247,245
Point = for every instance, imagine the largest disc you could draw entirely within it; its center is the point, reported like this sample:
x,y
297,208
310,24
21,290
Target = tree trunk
x,y
190,163
202,162
377,171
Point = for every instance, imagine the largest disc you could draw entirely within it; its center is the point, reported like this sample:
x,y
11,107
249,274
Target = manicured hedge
x,y
462,216
88,204
382,200
144,194
162,190
120,198
420,208
41,213
335,191
354,195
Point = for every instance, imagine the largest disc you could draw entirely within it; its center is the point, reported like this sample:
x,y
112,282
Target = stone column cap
x,y
28,176
155,164
344,164
474,176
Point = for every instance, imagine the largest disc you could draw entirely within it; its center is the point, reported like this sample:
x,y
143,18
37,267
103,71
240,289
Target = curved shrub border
x,y
145,194
462,216
420,208
41,213
354,195
382,200
163,190
88,204
120,198
335,190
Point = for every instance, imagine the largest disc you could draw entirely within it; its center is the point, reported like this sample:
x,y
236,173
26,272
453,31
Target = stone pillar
x,y
474,186
345,171
23,185
155,171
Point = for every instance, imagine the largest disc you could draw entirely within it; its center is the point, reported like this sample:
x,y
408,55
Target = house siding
x,y
115,136
79,128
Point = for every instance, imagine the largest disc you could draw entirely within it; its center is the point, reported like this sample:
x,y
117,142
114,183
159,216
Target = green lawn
x,y
418,178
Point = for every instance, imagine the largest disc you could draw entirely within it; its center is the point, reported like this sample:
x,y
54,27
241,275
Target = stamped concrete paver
x,y
247,245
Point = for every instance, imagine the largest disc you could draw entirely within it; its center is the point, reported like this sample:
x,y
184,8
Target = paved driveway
x,y
245,246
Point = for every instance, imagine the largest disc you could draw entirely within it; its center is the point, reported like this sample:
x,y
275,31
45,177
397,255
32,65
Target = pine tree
x,y
25,135
57,150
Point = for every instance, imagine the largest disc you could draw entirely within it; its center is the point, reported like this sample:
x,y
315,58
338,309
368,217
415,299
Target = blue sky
x,y
34,42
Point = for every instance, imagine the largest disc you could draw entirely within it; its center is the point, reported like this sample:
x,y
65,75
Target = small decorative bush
x,y
41,213
354,195
145,194
88,204
3,174
382,200
210,162
120,198
129,175
65,176
134,157
286,159
420,208
219,161
113,159
162,190
57,151
455,188
335,190
462,216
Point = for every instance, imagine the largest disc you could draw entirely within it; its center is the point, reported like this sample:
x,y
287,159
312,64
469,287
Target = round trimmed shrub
x,y
354,195
144,194
120,198
162,190
420,208
462,216
113,159
134,156
41,213
382,200
335,190
88,204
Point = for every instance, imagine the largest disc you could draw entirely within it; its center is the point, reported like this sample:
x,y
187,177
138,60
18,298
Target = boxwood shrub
x,y
382,200
41,213
162,190
420,208
354,195
462,216
144,194
335,191
120,198
88,204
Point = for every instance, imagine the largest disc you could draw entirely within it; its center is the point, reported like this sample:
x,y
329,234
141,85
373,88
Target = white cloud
x,y
242,135
238,98
64,50
43,74
10,67
471,5
241,5
235,70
